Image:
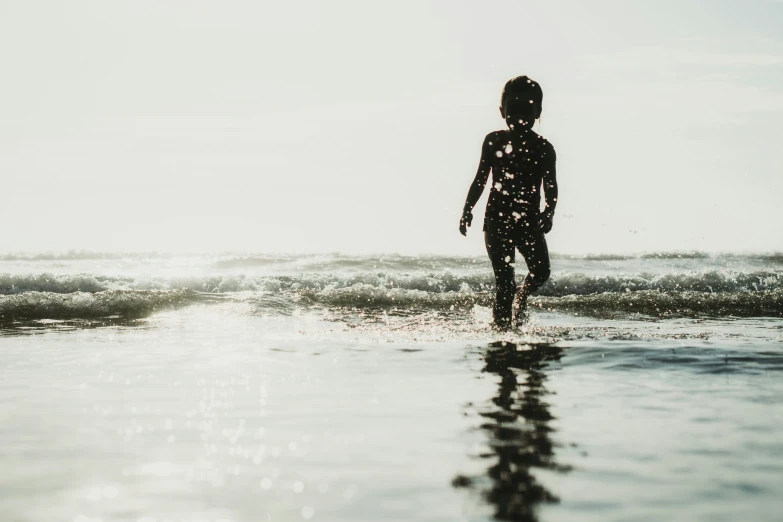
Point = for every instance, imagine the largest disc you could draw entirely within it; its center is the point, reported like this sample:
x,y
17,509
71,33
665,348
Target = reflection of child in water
x,y
520,161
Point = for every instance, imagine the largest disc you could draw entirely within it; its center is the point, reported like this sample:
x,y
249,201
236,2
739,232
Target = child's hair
x,y
522,87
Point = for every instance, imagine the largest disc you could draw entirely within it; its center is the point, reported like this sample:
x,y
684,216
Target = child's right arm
x,y
477,187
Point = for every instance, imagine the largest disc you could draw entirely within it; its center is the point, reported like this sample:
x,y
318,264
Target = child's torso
x,y
517,172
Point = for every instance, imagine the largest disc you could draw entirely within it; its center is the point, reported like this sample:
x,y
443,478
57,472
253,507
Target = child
x,y
520,161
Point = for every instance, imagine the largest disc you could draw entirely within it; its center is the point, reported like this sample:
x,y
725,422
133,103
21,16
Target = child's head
x,y
520,103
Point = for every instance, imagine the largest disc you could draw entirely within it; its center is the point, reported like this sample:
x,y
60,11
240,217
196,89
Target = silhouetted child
x,y
520,161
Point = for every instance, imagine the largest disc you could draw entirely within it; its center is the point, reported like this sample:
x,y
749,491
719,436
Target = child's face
x,y
520,112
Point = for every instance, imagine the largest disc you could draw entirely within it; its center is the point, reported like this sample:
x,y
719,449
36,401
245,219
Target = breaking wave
x,y
382,281
712,281
709,292
84,305
60,284
646,302
671,304
369,296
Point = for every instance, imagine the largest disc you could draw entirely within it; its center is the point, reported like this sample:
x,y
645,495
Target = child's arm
x,y
550,189
477,187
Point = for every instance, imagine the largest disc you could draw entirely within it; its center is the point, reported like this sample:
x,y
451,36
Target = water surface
x,y
243,388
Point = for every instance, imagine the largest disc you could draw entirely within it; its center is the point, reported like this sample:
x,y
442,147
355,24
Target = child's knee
x,y
541,274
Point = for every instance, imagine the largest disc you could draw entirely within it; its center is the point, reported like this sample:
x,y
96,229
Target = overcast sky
x,y
356,126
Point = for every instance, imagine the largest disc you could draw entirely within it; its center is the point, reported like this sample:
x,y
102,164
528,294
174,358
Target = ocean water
x,y
238,387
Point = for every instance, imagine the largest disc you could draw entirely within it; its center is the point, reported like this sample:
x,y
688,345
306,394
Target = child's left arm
x,y
550,189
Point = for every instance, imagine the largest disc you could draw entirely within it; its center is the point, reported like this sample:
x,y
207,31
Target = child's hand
x,y
464,223
545,222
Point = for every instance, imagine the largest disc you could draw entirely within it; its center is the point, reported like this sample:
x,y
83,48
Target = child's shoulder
x,y
542,140
496,137
544,144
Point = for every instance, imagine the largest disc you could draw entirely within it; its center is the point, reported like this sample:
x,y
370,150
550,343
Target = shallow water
x,y
263,400
686,432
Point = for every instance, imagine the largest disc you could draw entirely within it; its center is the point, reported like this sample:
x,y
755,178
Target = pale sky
x,y
356,126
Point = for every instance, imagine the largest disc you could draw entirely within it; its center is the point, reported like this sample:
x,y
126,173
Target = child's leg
x,y
501,254
534,250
